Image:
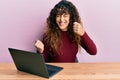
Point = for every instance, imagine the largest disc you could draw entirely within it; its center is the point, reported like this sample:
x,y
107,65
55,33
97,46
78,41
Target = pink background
x,y
22,22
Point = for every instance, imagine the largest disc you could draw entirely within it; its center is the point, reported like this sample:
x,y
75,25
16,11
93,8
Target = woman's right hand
x,y
39,45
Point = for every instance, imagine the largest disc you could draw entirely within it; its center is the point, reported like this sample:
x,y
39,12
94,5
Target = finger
x,y
36,44
76,27
36,41
76,23
75,30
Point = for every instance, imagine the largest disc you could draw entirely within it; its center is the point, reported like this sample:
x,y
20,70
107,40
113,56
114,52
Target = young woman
x,y
64,35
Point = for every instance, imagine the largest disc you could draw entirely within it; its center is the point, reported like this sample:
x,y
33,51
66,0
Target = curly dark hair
x,y
52,34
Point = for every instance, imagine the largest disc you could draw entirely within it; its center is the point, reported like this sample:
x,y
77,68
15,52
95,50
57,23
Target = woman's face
x,y
63,21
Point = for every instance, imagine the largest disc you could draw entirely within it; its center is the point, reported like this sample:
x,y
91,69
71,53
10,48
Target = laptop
x,y
33,63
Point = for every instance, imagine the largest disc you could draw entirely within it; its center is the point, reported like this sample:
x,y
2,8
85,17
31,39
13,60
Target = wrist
x,y
40,50
82,33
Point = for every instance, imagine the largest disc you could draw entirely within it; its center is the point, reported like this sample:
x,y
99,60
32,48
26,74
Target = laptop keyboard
x,y
51,72
52,69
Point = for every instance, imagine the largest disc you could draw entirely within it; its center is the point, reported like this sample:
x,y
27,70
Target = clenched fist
x,y
39,45
78,28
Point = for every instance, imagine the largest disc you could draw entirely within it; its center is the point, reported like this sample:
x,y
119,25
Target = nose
x,y
61,18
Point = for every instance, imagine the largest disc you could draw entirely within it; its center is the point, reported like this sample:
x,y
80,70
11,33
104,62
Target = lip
x,y
62,23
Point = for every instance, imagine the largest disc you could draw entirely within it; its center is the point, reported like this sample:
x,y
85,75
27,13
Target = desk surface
x,y
71,71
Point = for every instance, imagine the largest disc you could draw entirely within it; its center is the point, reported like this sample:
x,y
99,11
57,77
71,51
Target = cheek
x,y
68,19
57,20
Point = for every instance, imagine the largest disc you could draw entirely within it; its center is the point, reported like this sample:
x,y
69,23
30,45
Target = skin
x,y
63,22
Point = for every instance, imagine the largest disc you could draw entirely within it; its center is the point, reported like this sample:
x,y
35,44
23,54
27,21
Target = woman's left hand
x,y
78,29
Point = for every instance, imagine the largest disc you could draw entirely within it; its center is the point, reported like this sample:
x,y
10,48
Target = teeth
x,y
62,23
